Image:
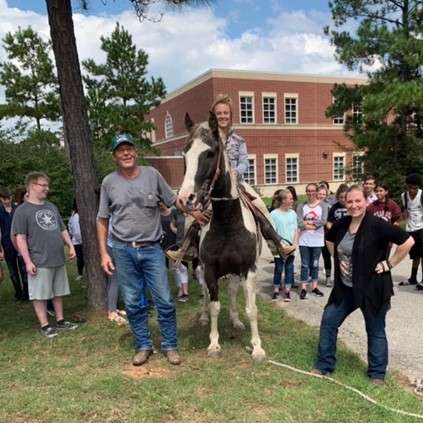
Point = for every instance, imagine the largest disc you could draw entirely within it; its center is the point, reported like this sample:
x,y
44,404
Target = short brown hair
x,y
33,177
222,99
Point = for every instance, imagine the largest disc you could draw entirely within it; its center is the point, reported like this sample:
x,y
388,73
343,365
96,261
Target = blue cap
x,y
122,139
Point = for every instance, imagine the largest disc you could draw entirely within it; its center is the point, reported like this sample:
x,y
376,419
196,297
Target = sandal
x,y
114,317
121,313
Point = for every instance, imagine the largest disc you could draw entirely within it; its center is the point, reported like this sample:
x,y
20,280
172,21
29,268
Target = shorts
x,y
417,249
47,283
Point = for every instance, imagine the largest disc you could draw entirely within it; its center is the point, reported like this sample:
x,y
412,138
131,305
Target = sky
x,y
267,35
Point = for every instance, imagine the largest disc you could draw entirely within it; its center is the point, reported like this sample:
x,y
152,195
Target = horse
x,y
230,243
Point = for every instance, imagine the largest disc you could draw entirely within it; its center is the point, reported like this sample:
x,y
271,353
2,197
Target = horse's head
x,y
202,160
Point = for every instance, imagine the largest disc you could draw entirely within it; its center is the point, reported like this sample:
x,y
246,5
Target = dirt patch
x,y
259,410
404,381
202,392
147,371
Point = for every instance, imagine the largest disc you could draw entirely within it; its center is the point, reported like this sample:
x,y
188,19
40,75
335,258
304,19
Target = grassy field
x,y
86,376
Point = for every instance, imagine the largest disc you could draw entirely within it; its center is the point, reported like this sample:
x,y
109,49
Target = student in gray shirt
x,y
131,196
40,235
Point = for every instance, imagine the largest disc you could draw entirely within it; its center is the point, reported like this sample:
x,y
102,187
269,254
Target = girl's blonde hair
x,y
222,99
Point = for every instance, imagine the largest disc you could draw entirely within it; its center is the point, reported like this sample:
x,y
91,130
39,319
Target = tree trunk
x,y
77,134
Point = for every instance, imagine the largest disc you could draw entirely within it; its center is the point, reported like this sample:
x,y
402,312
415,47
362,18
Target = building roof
x,y
259,75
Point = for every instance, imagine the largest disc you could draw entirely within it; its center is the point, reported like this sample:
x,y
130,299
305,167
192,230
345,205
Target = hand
x,y
72,253
201,217
235,173
382,267
288,249
107,264
31,268
344,265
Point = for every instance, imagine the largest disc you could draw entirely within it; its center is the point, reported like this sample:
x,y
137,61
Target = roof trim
x,y
259,75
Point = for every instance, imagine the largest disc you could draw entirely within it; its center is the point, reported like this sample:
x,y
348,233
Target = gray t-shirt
x,y
344,249
133,204
43,227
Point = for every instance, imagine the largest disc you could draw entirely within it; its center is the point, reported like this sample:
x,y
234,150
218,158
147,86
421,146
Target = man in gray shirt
x,y
40,235
131,196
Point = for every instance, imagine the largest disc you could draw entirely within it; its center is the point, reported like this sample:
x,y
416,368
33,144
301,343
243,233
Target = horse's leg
x,y
204,316
233,287
214,349
258,353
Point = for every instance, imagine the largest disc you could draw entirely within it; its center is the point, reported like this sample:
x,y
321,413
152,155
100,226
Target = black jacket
x,y
372,291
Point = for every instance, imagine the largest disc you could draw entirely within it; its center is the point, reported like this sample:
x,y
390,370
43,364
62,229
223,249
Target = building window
x,y
291,109
168,126
291,169
269,109
358,167
246,105
250,174
338,120
270,170
357,114
338,167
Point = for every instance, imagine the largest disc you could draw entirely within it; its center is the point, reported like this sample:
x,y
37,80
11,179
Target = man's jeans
x,y
309,263
377,344
286,264
139,269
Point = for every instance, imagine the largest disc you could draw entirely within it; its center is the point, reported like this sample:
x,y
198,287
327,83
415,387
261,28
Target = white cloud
x,y
188,42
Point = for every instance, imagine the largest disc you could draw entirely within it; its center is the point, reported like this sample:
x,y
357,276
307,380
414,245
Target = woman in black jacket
x,y
359,243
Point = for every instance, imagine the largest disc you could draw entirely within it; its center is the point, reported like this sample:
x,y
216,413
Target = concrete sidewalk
x,y
403,323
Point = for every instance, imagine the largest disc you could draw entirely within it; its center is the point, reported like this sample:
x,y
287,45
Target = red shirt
x,y
389,211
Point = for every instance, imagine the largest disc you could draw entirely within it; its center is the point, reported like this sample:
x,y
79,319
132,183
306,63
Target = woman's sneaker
x,y
48,331
65,325
287,298
317,292
303,294
275,296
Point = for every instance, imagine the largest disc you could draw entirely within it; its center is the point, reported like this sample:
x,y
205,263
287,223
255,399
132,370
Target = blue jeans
x,y
139,269
377,344
309,263
280,266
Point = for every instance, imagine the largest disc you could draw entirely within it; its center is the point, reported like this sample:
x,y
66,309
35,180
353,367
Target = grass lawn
x,y
86,376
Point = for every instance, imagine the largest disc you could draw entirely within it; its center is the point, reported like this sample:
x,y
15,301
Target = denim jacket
x,y
236,149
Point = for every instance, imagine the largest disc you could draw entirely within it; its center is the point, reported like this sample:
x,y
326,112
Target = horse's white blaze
x,y
191,160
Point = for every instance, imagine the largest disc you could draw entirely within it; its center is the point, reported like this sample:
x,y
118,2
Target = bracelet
x,y
388,262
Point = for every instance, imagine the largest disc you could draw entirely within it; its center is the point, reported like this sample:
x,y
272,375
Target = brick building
x,y
282,118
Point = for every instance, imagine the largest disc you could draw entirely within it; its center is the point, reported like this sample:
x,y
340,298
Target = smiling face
x,y
224,116
369,186
311,192
381,193
356,203
125,156
322,194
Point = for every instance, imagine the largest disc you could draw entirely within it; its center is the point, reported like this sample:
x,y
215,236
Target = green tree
x,y
119,94
77,131
387,116
28,75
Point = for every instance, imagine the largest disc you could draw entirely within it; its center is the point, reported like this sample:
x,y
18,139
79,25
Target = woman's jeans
x,y
309,263
377,344
138,269
286,264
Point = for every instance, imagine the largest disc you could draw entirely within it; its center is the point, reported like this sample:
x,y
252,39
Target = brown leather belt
x,y
136,244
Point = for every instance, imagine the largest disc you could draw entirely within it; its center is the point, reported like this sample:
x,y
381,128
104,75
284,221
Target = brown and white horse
x,y
229,243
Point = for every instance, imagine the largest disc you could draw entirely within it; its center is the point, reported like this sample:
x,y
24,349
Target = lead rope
x,y
349,388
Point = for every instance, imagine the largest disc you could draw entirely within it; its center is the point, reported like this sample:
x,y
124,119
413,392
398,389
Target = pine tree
x,y
388,45
28,75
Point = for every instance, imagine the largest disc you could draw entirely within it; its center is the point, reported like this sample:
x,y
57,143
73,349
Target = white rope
x,y
350,388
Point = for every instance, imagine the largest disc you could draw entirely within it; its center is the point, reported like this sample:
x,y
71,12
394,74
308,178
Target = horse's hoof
x,y
258,356
238,325
214,353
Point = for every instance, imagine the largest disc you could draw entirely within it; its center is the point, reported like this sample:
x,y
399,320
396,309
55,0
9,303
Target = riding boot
x,y
189,240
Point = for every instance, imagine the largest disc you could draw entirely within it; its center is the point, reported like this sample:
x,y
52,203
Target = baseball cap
x,y
122,139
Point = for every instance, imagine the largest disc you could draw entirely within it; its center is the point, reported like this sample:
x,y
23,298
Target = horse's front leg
x,y
204,315
258,353
234,282
214,349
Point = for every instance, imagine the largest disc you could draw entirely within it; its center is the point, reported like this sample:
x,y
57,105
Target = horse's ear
x,y
188,122
213,123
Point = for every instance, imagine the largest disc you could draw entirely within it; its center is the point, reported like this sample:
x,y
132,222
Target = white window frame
x,y
246,94
268,157
292,156
353,173
169,130
337,155
338,120
254,181
291,96
153,132
275,107
357,113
